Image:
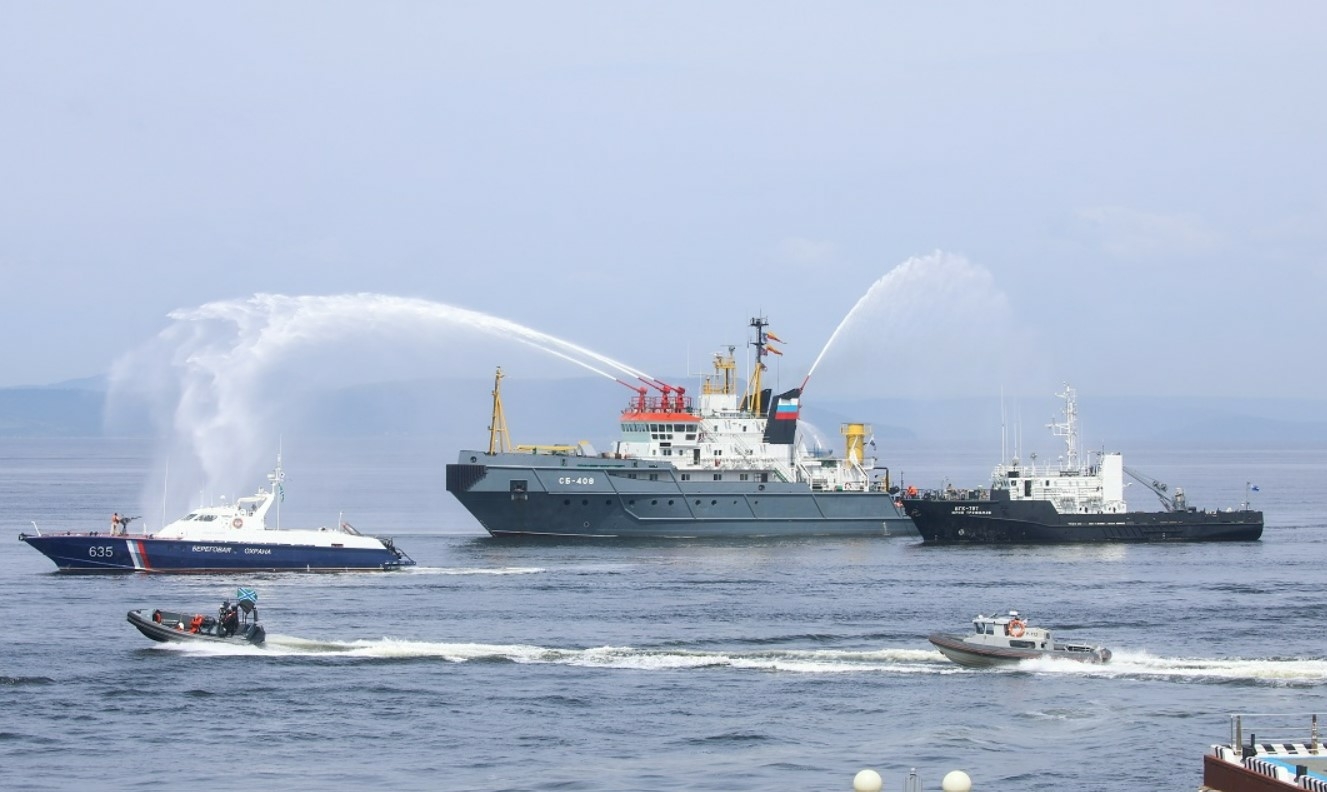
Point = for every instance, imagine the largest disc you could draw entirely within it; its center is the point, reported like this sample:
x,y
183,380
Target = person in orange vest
x,y
116,526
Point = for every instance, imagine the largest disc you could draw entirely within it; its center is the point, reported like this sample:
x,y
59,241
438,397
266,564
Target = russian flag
x,y
786,410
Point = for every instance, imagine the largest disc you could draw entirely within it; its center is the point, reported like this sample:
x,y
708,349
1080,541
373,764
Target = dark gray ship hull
x,y
944,521
553,495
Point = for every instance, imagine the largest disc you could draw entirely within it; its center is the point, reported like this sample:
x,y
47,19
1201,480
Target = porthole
x,y
473,460
566,502
585,502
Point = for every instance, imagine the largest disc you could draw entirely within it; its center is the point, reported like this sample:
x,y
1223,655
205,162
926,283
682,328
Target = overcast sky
x,y
1131,196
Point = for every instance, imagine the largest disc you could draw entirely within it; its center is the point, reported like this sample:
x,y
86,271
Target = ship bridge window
x,y
1023,644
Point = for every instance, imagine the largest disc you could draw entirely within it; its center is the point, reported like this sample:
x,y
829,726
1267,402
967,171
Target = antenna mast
x,y
1069,429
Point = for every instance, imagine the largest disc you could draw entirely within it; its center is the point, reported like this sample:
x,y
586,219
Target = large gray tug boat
x,y
730,465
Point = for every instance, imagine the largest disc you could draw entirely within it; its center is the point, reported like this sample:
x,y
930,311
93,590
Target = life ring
x,y
156,616
238,522
1016,629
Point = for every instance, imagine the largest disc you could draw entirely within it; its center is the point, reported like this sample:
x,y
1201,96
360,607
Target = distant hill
x,y
570,410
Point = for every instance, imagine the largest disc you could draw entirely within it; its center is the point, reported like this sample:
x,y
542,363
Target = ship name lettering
x,y
258,550
576,479
973,510
210,549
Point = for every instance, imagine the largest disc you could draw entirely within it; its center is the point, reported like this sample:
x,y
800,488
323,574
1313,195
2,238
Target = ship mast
x,y
1069,429
498,439
763,348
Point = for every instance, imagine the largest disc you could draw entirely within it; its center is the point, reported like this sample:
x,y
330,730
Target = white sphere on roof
x,y
867,781
956,781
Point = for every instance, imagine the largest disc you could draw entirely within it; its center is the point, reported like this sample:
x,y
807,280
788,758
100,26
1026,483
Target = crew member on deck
x,y
228,618
116,526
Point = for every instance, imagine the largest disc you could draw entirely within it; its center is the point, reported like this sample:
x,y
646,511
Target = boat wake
x,y
472,571
1142,665
1124,664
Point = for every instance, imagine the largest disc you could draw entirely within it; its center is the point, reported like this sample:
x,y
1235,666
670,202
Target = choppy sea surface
x,y
746,665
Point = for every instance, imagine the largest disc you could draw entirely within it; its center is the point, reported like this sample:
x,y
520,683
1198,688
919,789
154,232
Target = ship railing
x,y
848,476
1276,734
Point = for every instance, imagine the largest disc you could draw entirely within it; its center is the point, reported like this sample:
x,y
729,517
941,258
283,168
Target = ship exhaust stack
x,y
854,441
781,423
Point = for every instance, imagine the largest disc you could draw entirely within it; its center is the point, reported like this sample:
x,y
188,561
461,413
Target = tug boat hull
x,y
1001,521
533,495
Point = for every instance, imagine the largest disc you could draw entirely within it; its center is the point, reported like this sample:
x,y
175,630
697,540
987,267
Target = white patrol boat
x,y
1003,640
229,537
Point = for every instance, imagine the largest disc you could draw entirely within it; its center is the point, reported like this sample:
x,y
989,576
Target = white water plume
x,y
935,325
219,379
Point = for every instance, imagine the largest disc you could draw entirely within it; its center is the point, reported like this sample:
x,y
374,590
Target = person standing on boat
x,y
117,527
228,618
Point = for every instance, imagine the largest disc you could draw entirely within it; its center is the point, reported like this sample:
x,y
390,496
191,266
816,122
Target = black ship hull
x,y
944,521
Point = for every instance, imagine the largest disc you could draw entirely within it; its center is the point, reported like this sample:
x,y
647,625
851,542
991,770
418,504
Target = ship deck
x,y
1292,764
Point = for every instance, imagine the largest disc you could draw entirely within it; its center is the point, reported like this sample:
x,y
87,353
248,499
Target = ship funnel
x,y
854,440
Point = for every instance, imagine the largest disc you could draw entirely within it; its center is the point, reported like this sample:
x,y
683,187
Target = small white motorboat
x,y
1004,640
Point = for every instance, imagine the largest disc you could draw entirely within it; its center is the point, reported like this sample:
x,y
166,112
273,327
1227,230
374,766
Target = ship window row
x,y
201,517
633,426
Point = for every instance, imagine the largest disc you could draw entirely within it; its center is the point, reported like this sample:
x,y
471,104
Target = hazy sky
x,y
1130,196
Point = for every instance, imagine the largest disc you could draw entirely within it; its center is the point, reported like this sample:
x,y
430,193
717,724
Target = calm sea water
x,y
785,665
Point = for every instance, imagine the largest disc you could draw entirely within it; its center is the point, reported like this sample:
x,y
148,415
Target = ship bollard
x,y
867,780
913,783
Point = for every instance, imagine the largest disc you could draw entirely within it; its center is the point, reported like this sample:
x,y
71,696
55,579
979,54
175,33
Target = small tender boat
x,y
1003,640
227,538
233,624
